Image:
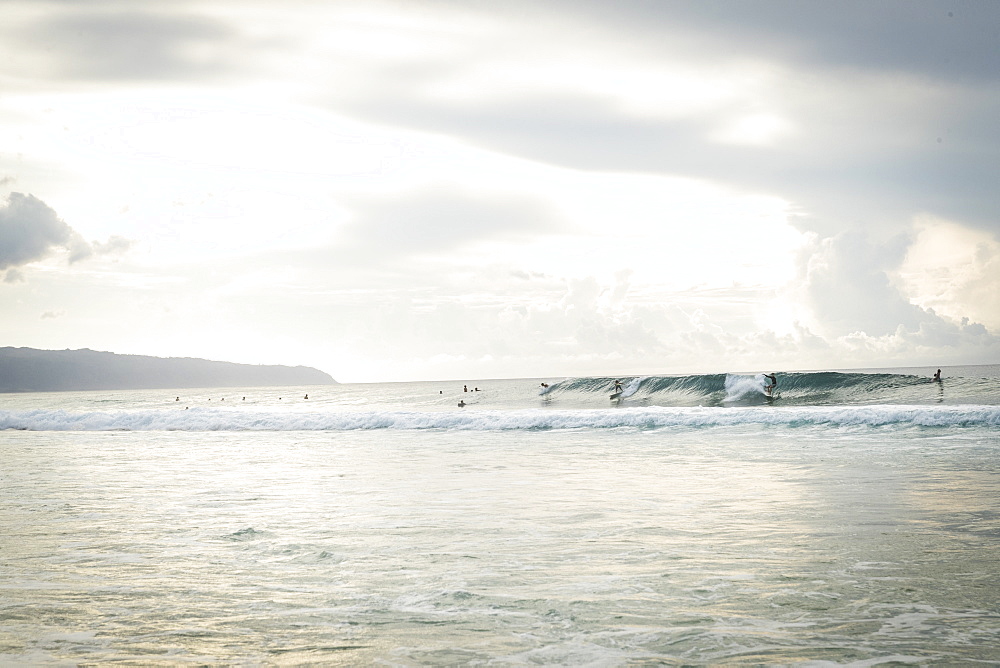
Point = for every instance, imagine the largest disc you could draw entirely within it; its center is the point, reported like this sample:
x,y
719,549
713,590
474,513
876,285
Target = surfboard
x,y
616,395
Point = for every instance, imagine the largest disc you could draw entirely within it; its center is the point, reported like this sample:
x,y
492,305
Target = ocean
x,y
851,519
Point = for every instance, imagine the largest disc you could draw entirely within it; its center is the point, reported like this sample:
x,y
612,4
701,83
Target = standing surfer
x,y
617,392
937,376
771,384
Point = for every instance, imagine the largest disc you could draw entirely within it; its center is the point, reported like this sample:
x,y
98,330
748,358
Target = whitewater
x,y
852,518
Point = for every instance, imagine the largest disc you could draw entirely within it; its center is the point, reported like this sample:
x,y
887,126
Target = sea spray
x,y
739,387
633,387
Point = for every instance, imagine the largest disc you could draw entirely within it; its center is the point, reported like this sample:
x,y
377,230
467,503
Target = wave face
x,y
814,388
655,417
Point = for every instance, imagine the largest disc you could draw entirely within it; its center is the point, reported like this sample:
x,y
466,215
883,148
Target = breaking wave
x,y
811,388
652,417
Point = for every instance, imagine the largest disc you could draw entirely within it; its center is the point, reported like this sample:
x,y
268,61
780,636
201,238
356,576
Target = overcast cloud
x,y
431,189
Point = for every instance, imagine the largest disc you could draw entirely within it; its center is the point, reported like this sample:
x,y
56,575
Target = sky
x,y
444,189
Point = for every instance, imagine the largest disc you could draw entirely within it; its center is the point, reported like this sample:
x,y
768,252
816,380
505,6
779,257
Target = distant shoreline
x,y
34,370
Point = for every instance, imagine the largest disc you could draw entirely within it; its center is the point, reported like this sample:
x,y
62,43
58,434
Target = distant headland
x,y
31,370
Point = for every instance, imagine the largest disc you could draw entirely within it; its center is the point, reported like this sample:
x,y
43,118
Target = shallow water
x,y
755,542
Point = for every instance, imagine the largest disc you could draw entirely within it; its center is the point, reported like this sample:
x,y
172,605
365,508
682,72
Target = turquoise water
x,y
382,524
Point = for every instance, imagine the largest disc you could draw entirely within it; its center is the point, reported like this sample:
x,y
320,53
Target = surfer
x,y
617,391
461,404
937,376
545,384
771,383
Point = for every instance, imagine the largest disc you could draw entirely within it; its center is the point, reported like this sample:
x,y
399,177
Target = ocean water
x,y
851,519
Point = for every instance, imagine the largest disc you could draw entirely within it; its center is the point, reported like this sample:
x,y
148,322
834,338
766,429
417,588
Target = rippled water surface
x,y
755,543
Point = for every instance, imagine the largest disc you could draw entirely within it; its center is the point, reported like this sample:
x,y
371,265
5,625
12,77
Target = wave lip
x,y
652,417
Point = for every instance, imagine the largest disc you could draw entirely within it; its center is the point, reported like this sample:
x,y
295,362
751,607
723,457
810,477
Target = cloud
x,y
850,286
115,245
30,230
764,97
953,271
13,276
848,289
106,43
937,38
437,220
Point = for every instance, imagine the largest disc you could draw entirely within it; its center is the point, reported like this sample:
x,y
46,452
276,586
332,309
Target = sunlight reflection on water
x,y
755,544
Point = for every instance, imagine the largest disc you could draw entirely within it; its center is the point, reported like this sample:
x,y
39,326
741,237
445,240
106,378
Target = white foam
x,y
738,387
203,419
633,386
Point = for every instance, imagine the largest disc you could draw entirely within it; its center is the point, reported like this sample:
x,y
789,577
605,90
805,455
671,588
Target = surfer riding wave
x,y
770,384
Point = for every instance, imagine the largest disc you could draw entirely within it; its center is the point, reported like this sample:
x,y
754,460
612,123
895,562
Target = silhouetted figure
x,y
937,376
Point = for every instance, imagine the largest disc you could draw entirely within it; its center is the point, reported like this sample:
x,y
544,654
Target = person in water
x,y
772,383
937,376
